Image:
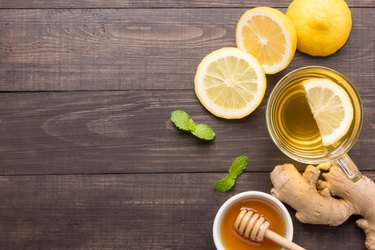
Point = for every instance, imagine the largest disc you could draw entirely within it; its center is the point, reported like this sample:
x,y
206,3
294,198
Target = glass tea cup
x,y
293,128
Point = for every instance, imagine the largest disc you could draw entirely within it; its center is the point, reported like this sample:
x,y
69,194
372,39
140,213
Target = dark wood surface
x,y
139,49
88,156
144,4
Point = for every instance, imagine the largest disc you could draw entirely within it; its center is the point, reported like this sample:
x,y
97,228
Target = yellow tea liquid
x,y
295,124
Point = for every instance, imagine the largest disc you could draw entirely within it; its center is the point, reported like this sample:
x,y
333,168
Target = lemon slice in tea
x,y
331,107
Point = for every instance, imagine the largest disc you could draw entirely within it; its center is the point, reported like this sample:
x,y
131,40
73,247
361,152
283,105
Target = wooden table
x,y
88,156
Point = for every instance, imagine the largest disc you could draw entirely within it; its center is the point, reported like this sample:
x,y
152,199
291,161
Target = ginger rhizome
x,y
314,198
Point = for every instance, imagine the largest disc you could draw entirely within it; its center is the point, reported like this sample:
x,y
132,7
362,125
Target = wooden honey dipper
x,y
254,226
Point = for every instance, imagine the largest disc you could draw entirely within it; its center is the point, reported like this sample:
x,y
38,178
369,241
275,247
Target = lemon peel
x,y
323,26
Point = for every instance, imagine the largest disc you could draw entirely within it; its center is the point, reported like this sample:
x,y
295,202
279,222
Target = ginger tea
x,y
291,123
295,123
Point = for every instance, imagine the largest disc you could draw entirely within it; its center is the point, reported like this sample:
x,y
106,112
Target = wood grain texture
x,y
166,211
156,3
135,49
130,132
89,168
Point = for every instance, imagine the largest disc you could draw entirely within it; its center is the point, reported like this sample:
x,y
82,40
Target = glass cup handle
x,y
348,166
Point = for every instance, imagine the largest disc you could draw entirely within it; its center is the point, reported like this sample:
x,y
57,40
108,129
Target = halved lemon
x,y
230,83
331,107
269,35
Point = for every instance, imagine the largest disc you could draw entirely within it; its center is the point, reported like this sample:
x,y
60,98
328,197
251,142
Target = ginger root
x,y
312,196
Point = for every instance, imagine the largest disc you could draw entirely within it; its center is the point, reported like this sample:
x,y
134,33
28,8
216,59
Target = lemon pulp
x,y
230,83
269,35
331,107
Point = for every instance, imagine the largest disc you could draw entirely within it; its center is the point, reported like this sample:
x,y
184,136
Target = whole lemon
x,y
323,26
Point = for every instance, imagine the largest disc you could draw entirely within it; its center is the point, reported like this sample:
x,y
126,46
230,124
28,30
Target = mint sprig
x,y
238,166
182,120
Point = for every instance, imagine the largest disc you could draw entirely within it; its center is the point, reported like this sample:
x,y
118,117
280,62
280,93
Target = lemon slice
x,y
230,83
269,35
331,107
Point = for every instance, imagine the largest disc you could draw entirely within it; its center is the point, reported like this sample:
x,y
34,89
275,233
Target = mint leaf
x,y
238,166
224,184
182,120
191,124
204,132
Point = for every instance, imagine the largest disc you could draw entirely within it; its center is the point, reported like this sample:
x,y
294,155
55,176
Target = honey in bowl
x,y
233,241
